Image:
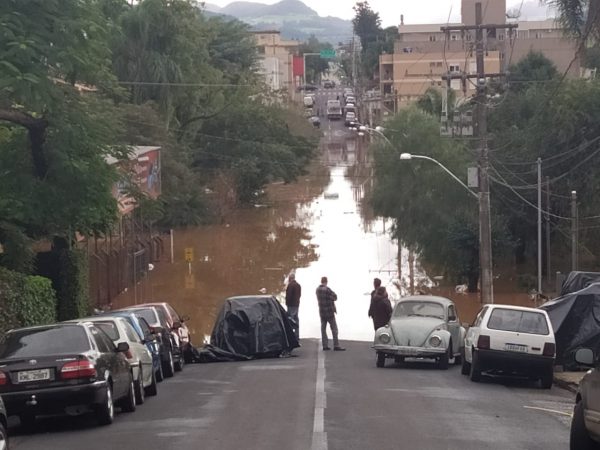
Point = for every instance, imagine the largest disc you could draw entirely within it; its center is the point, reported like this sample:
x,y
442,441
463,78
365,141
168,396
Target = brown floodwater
x,y
318,226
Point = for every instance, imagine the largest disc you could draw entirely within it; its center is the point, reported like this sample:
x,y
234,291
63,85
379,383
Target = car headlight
x,y
384,338
435,341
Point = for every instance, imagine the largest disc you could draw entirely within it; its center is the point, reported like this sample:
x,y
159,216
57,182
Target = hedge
x,y
25,300
72,285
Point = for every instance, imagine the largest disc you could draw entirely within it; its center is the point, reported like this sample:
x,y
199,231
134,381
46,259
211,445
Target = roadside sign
x,y
189,254
328,53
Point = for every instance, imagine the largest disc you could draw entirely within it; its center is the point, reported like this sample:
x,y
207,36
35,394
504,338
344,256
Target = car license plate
x,y
408,351
33,375
516,348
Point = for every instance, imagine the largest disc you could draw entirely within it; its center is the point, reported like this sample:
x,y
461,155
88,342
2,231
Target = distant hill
x,y
293,18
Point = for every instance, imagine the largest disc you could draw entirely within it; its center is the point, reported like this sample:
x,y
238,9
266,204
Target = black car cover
x,y
576,281
250,327
575,319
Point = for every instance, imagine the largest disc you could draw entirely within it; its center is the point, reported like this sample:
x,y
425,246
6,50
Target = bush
x,y
25,300
72,285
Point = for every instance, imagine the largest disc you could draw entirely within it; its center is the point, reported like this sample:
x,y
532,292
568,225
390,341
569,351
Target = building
x,y
276,59
424,53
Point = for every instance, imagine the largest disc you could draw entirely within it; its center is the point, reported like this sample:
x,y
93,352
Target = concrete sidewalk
x,y
568,380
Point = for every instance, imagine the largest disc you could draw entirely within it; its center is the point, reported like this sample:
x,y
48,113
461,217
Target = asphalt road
x,y
323,400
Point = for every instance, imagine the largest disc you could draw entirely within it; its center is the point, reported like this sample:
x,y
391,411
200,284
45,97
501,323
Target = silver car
x,y
139,357
585,425
422,326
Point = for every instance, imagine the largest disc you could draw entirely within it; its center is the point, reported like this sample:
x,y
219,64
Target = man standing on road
x,y
376,284
326,298
292,301
381,308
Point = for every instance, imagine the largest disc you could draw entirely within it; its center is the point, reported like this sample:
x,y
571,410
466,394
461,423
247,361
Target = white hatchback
x,y
510,340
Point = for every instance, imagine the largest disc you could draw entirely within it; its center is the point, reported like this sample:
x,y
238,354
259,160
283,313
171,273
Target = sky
x,y
421,11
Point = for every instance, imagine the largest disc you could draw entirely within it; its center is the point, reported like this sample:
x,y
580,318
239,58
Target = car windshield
x,y
148,314
44,341
419,309
110,328
518,321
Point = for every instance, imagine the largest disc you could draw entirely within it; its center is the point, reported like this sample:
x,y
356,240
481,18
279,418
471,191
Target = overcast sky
x,y
415,11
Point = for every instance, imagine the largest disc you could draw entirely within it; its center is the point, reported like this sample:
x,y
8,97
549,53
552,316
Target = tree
x,y
580,18
56,131
315,66
366,23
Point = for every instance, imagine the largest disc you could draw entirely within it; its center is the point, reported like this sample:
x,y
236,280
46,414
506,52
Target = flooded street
x,y
318,226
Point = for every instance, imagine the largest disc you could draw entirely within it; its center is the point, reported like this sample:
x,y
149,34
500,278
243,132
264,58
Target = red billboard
x,y
298,66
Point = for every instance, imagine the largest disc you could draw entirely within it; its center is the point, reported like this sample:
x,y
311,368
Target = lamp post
x,y
410,156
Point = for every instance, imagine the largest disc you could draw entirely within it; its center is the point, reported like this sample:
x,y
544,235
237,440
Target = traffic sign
x,y
328,53
189,254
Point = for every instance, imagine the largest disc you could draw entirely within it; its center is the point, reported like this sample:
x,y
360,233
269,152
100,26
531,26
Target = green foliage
x,y
315,66
431,101
535,67
25,300
580,18
72,286
366,22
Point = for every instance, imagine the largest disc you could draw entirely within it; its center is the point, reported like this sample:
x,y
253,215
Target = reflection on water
x,y
301,229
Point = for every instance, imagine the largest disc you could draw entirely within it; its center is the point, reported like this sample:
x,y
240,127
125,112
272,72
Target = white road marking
x,y
319,439
562,413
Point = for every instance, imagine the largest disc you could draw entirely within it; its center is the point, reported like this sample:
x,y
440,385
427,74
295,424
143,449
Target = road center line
x,y
319,438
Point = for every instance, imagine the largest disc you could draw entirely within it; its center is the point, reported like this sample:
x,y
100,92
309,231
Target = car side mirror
x,y
122,347
584,356
176,325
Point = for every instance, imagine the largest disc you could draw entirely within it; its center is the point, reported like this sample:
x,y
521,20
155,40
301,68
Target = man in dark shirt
x,y
292,301
326,298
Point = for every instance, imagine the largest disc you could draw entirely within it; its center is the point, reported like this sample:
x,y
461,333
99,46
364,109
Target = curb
x,y
567,385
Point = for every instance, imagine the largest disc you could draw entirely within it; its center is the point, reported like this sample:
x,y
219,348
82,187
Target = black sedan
x,y
64,368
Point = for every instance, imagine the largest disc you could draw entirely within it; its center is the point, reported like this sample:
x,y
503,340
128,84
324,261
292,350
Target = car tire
x,y
105,411
27,420
580,438
160,376
128,403
180,363
465,368
140,393
459,358
444,360
169,366
152,390
4,444
475,371
380,360
547,379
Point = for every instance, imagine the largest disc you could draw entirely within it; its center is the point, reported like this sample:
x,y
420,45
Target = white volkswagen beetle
x,y
422,326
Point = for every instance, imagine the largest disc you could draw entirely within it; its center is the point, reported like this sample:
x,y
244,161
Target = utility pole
x,y
539,225
548,254
573,230
485,228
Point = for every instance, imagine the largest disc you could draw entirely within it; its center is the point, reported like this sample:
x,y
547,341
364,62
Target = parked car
x,y
178,326
145,333
510,340
67,367
4,441
307,87
171,355
327,84
585,426
350,99
308,101
350,118
316,121
138,355
422,326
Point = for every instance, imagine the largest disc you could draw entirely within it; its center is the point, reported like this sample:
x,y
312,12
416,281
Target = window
x,y
103,343
454,68
479,318
452,313
173,314
419,309
431,64
500,37
145,327
454,37
132,336
518,321
110,328
46,341
148,314
433,38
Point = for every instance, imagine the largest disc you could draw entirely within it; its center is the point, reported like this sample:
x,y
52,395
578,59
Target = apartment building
x,y
424,53
276,59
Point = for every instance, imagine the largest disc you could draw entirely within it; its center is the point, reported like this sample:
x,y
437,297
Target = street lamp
x,y
409,156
